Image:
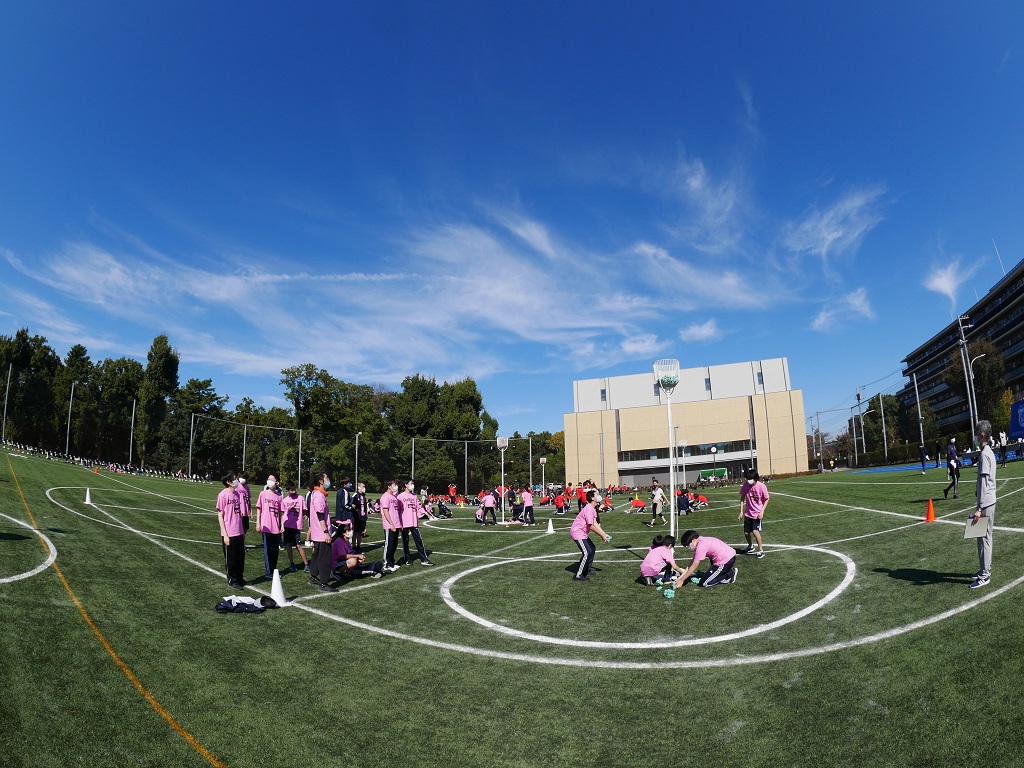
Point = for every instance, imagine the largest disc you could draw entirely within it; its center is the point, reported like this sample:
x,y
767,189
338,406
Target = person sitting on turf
x,y
346,564
723,568
660,563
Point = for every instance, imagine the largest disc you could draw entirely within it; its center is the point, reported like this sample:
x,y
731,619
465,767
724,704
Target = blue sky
x,y
526,193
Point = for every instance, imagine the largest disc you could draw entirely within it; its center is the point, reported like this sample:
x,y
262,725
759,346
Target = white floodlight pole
x,y
853,423
3,433
714,462
502,445
191,439
967,374
543,482
974,394
245,434
67,443
298,481
682,454
412,471
531,464
357,458
666,373
863,437
131,441
885,440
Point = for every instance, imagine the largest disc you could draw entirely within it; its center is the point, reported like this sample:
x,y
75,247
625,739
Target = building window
x,y
657,389
707,385
604,395
760,379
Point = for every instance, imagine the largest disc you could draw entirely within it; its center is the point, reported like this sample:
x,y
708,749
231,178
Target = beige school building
x,y
726,418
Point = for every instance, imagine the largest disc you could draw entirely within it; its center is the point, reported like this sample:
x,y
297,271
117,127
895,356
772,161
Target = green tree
x,y
115,384
158,383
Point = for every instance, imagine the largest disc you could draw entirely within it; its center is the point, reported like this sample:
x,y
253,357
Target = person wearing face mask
x,y
293,510
409,510
391,519
360,509
268,523
343,507
232,535
245,498
320,533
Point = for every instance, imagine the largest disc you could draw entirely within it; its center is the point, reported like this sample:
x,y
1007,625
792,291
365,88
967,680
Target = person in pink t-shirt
x,y
723,568
409,506
488,502
268,523
660,562
232,535
244,498
391,519
528,518
293,512
585,522
320,533
753,505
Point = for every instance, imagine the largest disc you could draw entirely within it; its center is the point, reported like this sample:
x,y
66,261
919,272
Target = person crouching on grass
x,y
585,522
723,568
660,563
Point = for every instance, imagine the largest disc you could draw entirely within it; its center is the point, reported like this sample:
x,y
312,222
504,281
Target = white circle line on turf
x,y
604,664
851,572
42,566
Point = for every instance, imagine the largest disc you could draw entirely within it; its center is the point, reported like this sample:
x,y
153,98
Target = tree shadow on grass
x,y
922,578
12,537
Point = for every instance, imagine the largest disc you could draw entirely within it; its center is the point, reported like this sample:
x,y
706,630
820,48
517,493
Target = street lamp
x,y
974,395
67,442
357,459
543,484
666,373
714,462
863,438
502,445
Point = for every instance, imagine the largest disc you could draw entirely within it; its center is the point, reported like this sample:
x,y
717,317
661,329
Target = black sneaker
x,y
581,578
425,562
314,582
328,588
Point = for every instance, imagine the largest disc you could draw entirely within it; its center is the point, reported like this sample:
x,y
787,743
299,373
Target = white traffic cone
x,y
88,498
551,525
277,592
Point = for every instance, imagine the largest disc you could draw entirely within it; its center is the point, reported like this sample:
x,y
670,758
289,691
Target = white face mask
x,y
271,484
242,480
234,483
410,488
327,484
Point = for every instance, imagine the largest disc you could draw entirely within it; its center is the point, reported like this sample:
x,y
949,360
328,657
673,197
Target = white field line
x,y
50,548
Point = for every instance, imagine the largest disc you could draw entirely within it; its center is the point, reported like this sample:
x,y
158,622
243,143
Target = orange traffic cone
x,y
930,517
95,470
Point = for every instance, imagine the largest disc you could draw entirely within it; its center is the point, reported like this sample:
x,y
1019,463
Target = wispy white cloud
x,y
643,345
839,228
948,278
836,315
712,221
696,332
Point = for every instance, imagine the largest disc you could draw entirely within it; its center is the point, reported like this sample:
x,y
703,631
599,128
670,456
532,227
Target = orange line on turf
x,y
179,729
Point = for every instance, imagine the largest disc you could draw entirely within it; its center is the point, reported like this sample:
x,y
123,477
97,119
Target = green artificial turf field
x,y
855,641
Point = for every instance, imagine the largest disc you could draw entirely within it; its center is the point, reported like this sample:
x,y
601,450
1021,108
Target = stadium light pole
x,y
974,394
666,374
357,458
502,445
543,482
3,434
863,438
67,442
